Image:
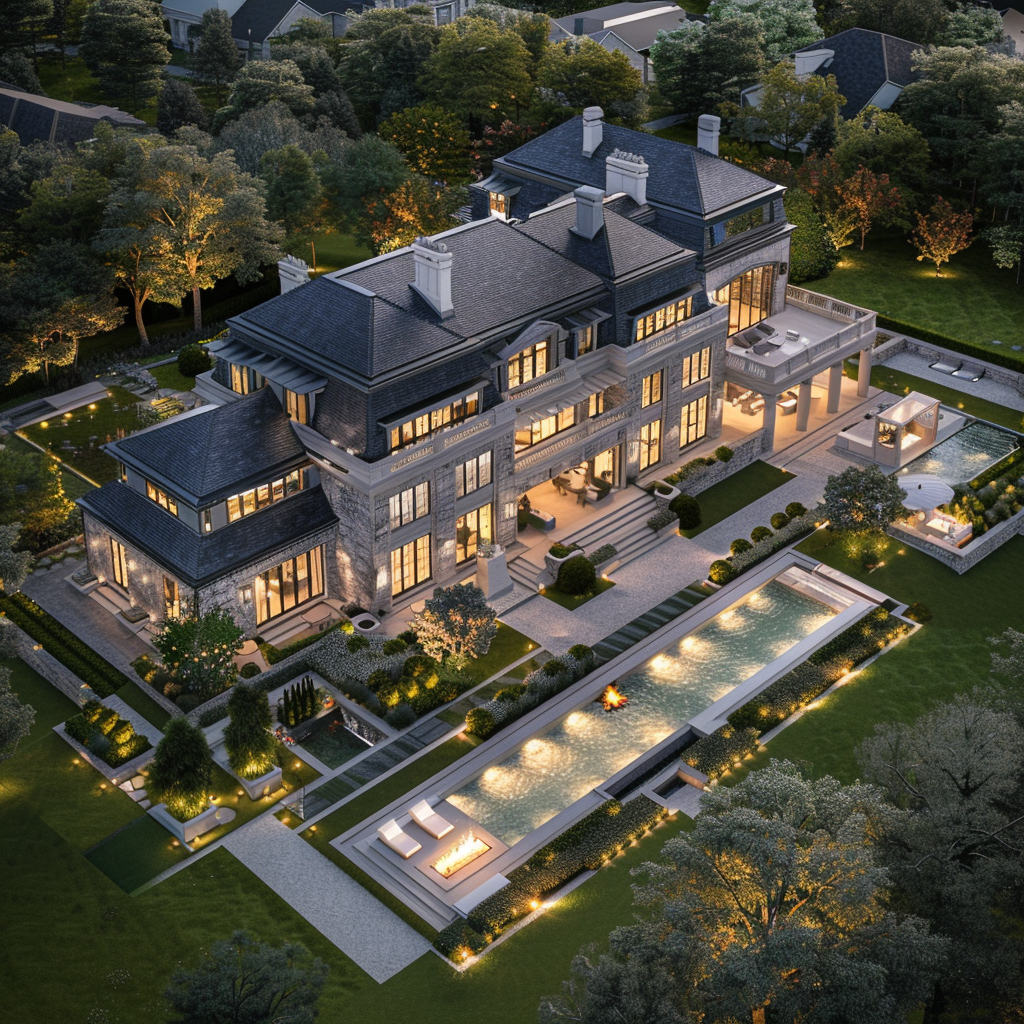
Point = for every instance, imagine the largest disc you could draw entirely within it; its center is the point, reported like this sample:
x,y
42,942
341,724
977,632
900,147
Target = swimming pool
x,y
588,746
964,455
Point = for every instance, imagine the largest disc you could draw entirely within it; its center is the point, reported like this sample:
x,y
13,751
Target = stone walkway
x,y
336,905
990,390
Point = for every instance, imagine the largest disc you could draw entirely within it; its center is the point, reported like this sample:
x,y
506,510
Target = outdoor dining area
x,y
925,496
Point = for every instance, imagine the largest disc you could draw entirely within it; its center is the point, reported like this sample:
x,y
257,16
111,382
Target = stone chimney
x,y
589,211
593,129
708,127
433,282
626,172
292,271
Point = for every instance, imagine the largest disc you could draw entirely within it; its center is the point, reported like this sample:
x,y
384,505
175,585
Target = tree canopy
x,y
182,769
216,59
860,500
786,25
434,142
457,624
199,650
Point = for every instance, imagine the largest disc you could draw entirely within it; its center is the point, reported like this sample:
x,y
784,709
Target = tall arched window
x,y
749,297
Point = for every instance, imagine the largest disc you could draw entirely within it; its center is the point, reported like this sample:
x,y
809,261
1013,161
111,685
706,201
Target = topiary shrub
x,y
721,571
512,692
577,576
553,666
687,509
193,360
739,545
379,679
400,717
480,722
723,453
408,635
779,520
582,653
760,533
182,770
395,646
249,670
795,509
357,643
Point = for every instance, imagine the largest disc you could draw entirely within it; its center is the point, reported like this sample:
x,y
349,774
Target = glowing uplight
x,y
661,662
92,406
690,643
44,424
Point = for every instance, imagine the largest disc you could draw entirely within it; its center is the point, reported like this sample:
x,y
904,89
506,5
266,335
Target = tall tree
x,y
416,207
456,624
774,907
21,24
178,106
244,981
786,25
182,769
66,205
791,106
32,495
1007,244
920,21
267,81
871,199
369,169
861,500
812,253
942,233
532,27
247,737
260,130
216,59
971,26
1001,167
434,142
294,193
15,718
125,45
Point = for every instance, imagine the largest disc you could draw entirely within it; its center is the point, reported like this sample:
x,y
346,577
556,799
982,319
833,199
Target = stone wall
x,y
901,343
50,668
962,559
748,451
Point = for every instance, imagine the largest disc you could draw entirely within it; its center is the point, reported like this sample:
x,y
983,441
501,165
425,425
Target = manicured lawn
x,y
973,301
137,853
88,427
899,383
573,601
334,252
74,485
507,646
734,492
135,696
50,705
169,376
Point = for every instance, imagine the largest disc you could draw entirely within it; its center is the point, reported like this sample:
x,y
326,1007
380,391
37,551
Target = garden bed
x,y
574,601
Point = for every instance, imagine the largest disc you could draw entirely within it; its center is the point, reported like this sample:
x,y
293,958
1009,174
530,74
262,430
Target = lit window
x,y
120,561
472,475
245,380
408,505
696,367
410,564
693,422
297,406
527,437
584,340
666,316
749,297
293,582
596,404
499,204
651,392
472,529
250,501
531,362
172,603
162,498
650,444
421,427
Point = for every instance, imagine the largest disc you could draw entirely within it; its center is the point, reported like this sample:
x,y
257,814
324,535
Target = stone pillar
x,y
492,574
803,404
835,387
768,422
864,373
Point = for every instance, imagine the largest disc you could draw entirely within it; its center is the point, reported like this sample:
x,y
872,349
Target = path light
x,y
103,785
312,828
74,760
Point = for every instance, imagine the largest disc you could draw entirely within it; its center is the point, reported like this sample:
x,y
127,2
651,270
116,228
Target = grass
x,y
137,853
88,427
169,376
574,601
50,705
735,492
507,646
74,485
334,252
135,696
973,301
899,383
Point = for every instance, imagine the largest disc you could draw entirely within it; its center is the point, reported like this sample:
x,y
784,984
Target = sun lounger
x,y
428,820
969,372
942,367
391,834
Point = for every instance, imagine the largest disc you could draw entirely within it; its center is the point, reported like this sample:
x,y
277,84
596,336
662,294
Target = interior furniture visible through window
x,y
541,430
293,582
410,564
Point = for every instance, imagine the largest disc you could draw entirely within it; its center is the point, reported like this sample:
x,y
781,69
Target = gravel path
x,y
336,905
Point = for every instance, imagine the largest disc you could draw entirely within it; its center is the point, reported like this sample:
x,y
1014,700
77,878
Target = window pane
x,y
422,499
485,469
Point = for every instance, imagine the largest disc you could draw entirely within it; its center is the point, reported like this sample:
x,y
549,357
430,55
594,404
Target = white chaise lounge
x,y
391,834
429,820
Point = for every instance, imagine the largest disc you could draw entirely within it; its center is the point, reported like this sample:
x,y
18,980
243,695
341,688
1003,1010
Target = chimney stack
x,y
626,172
708,127
433,282
589,211
593,129
292,271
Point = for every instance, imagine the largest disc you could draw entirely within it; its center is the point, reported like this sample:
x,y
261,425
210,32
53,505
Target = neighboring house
x,y
871,68
594,319
1013,24
182,15
630,28
40,119
445,11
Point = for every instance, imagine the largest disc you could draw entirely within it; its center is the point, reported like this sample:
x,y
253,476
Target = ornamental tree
x,y
434,142
266,81
199,651
14,565
870,198
182,769
786,25
942,233
247,736
15,718
244,981
862,500
457,624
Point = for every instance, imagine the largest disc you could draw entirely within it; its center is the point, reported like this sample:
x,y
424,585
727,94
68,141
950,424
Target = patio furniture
x,y
787,403
542,520
739,341
429,820
792,335
942,367
970,372
392,836
561,484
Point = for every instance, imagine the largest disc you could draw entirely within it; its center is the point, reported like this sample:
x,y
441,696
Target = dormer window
x,y
529,363
245,380
297,406
584,340
499,205
162,498
664,317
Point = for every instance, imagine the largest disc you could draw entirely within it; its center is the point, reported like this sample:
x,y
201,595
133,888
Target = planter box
x,y
554,564
364,622
186,831
664,500
270,782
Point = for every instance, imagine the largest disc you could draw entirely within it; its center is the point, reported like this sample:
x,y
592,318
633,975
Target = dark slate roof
x,y
209,454
864,61
620,248
262,16
601,15
198,559
36,118
640,34
680,176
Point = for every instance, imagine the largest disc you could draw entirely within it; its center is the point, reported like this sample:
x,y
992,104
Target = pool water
x,y
963,456
330,742
585,748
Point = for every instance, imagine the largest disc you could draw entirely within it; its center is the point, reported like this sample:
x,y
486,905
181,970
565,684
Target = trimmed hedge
x,y
583,847
687,508
760,533
604,553
458,941
721,571
59,641
719,751
662,519
272,655
825,666
577,576
792,531
996,471
739,545
102,731
1009,360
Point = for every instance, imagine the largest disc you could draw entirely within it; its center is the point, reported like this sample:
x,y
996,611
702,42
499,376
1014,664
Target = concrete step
x,y
618,524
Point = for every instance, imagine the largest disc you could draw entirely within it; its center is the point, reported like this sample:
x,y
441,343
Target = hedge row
x,y
101,730
715,753
272,655
584,847
1010,360
809,680
996,471
59,641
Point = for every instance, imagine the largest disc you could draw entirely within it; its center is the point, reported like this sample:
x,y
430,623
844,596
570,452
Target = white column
x,y
803,404
768,422
835,387
864,373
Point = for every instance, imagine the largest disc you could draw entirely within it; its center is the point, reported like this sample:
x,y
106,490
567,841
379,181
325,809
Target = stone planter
x,y
364,622
269,782
186,831
492,573
664,493
554,564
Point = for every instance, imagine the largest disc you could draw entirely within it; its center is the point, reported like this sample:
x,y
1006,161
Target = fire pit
x,y
464,852
612,699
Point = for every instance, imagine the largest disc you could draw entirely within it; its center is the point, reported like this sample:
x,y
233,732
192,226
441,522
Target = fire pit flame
x,y
612,699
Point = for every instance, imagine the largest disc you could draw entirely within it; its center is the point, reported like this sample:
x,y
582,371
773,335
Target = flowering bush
x,y
199,651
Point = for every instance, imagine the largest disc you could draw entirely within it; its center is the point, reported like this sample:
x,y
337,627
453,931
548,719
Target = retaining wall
x,y
962,559
901,343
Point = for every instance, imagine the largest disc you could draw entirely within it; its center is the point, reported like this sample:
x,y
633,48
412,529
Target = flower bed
x,y
104,733
717,752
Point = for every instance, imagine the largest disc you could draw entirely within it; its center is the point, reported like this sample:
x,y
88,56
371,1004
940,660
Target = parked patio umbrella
x,y
925,492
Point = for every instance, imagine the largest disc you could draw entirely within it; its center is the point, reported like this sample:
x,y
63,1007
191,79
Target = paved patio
x,y
990,390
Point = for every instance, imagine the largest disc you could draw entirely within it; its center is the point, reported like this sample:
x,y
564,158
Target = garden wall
x,y
962,559
748,451
901,343
49,667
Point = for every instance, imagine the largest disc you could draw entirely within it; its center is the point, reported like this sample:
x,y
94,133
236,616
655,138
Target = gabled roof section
x,y
262,17
619,249
680,177
864,61
209,453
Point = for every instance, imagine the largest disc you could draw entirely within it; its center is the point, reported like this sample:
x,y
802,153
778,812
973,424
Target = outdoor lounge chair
x,y
391,834
945,367
969,372
431,822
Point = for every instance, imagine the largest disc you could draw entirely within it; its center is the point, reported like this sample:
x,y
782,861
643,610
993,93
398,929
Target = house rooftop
x,y
40,118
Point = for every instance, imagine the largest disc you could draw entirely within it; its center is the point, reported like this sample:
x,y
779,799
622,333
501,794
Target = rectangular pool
x,y
588,746
967,453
